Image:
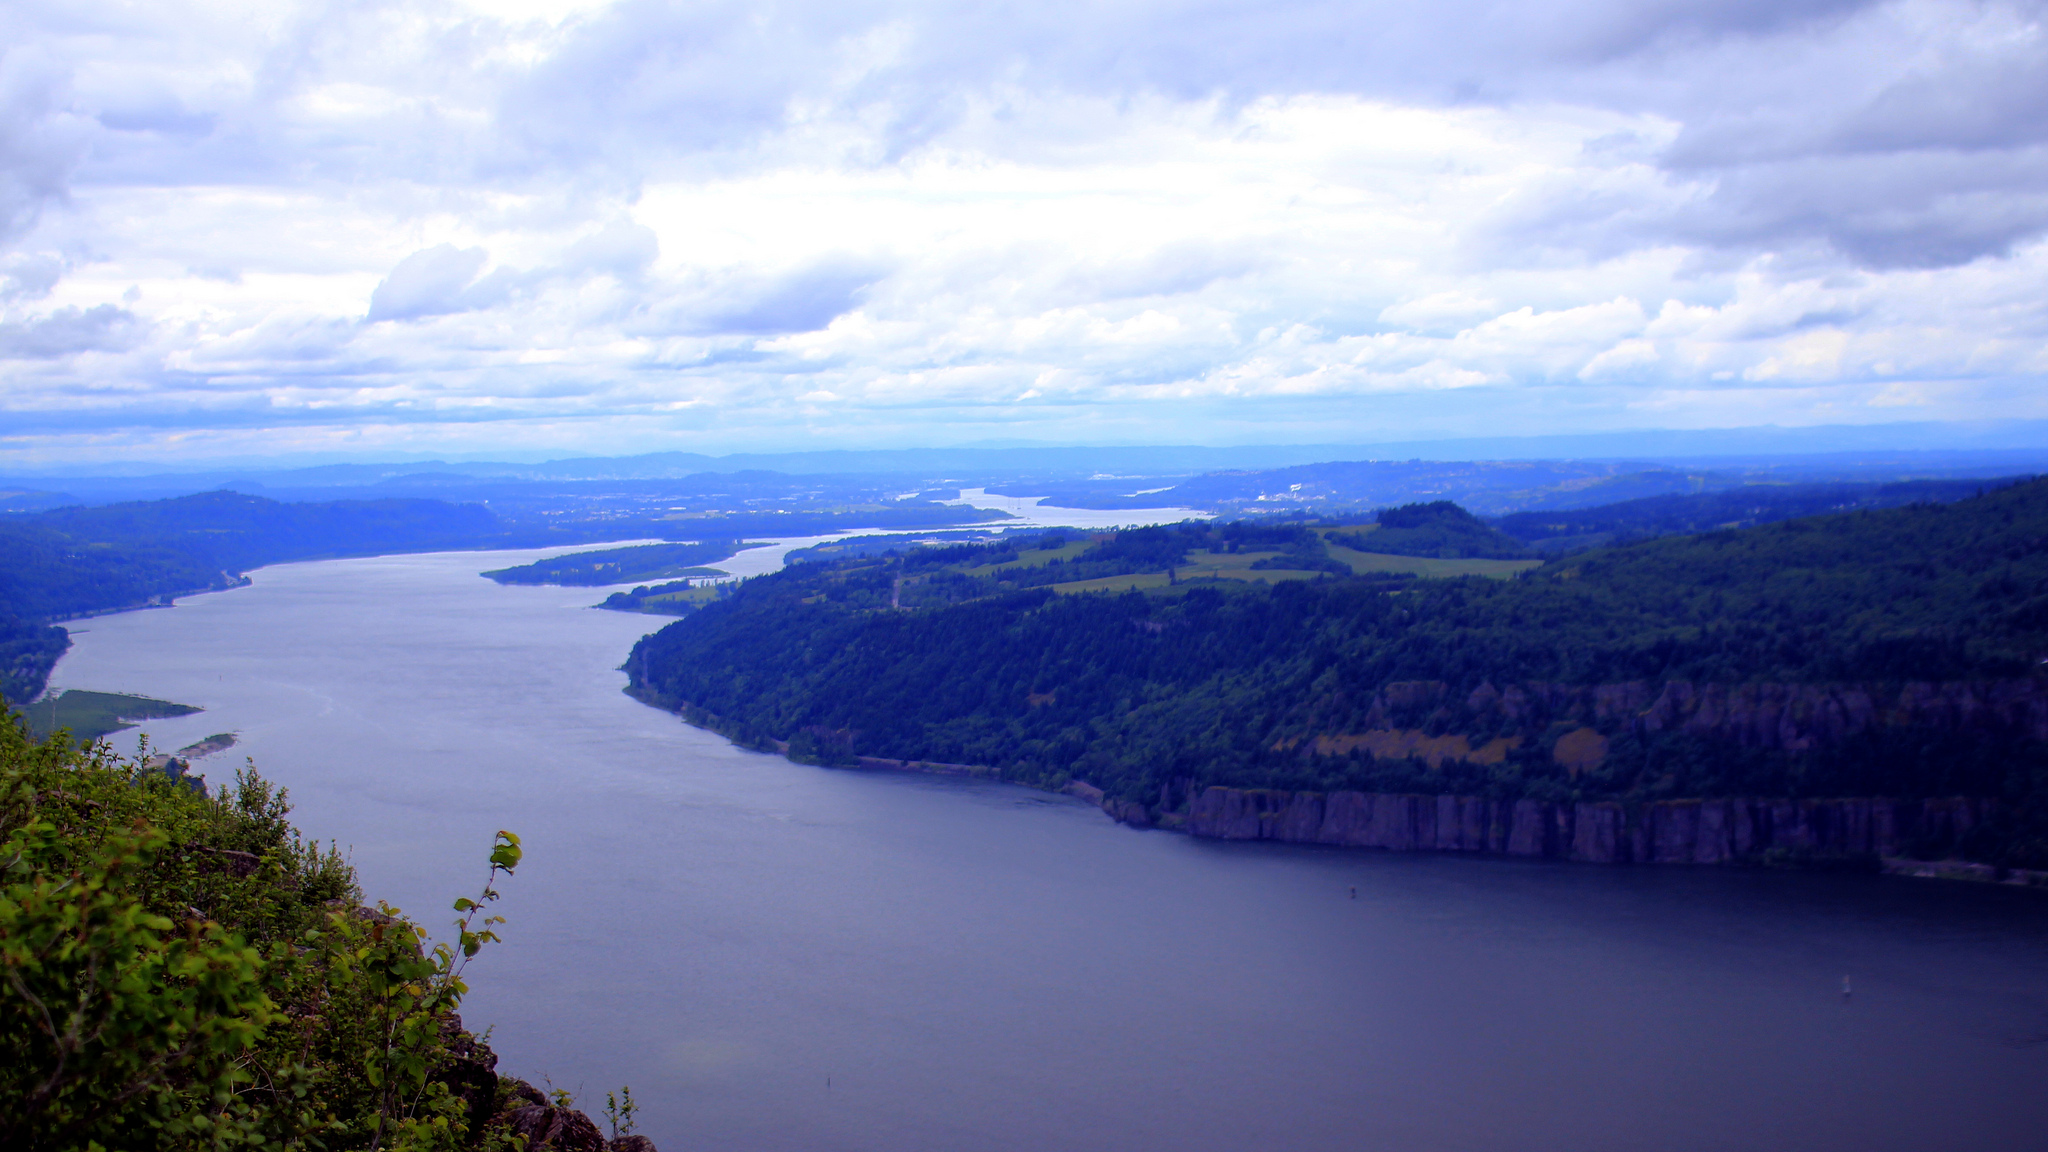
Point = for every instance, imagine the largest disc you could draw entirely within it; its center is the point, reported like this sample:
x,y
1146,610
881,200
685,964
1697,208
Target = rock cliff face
x,y
541,1124
1774,717
1665,832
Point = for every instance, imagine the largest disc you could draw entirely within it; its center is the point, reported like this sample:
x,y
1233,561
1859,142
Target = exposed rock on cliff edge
x,y
1663,832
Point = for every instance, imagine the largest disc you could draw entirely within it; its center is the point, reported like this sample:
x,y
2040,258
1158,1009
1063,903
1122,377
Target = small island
x,y
633,565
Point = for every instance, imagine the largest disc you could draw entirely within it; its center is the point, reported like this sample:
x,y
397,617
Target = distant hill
x,y
1872,653
79,561
1440,529
1360,485
1560,529
75,561
236,532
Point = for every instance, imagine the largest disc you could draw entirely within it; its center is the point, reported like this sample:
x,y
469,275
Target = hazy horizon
x,y
1989,438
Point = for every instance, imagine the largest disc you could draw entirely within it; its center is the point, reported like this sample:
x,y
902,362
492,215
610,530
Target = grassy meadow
x,y
91,715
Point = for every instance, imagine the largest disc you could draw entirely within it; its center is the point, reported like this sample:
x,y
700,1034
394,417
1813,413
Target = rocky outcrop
x,y
1663,832
471,1074
522,1111
1398,720
502,1108
545,1126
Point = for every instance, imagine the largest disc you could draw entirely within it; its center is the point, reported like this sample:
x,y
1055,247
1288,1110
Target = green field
x,y
662,600
1362,562
1201,566
1237,566
1145,580
1036,559
700,594
92,715
1204,565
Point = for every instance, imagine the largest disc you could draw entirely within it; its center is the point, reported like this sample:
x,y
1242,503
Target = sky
x,y
365,229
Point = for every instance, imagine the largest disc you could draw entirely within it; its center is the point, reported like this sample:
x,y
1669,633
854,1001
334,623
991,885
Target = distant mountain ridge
x,y
1559,529
1833,452
74,562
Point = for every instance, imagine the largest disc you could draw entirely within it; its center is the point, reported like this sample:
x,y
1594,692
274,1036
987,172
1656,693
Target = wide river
x,y
779,957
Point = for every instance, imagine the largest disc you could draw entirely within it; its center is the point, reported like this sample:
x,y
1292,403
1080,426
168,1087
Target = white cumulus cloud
x,y
641,224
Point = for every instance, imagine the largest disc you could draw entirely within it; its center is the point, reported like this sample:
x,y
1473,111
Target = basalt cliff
x,y
1578,723
1661,832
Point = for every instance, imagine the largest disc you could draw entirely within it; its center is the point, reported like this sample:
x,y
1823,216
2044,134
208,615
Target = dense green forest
x,y
1438,528
632,565
27,653
46,574
184,970
934,655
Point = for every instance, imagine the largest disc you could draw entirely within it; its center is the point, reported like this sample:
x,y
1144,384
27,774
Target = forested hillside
x,y
77,561
1871,653
27,653
1438,528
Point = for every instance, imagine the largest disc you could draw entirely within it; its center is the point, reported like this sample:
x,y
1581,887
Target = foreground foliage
x,y
181,970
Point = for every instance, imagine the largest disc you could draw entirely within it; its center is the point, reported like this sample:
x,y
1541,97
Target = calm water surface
x,y
783,957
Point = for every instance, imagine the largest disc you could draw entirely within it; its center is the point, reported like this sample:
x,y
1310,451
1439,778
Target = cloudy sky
x,y
565,226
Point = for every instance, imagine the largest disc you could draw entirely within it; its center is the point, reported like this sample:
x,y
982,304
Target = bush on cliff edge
x,y
182,970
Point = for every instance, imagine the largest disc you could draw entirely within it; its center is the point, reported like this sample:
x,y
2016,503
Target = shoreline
x,y
1522,828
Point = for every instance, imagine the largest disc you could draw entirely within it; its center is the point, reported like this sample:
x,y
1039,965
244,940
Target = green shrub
x,y
181,970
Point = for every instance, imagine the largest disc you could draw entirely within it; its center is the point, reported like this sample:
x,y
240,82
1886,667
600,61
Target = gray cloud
x,y
29,276
1613,192
1881,210
1173,270
431,282
803,301
41,142
67,331
622,248
146,106
1804,87
1997,105
1752,82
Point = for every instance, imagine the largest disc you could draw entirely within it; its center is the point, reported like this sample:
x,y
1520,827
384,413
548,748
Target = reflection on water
x,y
981,967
